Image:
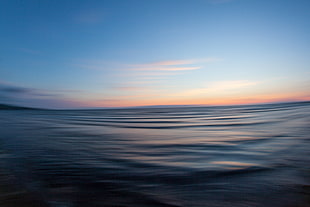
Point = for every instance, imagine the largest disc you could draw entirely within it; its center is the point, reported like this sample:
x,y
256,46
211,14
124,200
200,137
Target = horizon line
x,y
12,106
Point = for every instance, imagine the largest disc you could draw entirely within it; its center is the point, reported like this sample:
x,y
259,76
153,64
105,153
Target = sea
x,y
189,156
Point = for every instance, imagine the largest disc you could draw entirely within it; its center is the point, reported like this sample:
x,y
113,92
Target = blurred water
x,y
240,156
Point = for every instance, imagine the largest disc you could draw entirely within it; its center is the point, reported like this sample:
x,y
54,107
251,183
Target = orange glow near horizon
x,y
250,99
206,52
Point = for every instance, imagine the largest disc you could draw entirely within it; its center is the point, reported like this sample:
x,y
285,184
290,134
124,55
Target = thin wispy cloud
x,y
184,62
166,68
10,90
230,85
180,68
169,62
131,88
167,65
220,87
173,65
142,79
147,74
35,97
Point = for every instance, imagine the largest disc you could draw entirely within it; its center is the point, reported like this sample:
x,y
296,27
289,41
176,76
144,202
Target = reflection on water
x,y
185,156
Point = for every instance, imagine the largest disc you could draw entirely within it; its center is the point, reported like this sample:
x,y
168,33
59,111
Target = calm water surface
x,y
255,156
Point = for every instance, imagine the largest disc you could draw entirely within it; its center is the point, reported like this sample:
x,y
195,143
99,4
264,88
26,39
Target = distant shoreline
x,y
14,107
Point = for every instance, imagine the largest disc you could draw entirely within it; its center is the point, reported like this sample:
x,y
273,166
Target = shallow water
x,y
239,156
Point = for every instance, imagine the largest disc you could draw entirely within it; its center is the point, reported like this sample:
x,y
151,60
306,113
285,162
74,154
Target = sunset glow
x,y
75,54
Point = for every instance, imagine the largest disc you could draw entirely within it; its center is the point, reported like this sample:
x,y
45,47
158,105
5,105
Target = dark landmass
x,y
12,107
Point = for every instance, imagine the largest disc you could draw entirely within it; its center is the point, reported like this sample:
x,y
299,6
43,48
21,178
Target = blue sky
x,y
70,53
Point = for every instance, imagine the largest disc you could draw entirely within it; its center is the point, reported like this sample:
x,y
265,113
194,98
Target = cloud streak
x,y
166,68
165,65
218,1
174,65
183,62
220,87
143,80
32,97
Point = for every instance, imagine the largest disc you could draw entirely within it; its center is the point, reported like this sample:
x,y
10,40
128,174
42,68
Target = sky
x,y
120,53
